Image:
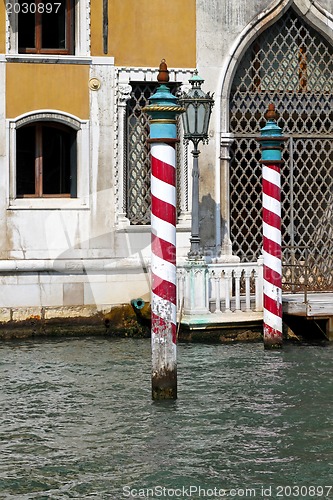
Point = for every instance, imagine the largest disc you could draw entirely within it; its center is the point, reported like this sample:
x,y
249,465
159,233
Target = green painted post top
x,y
271,138
162,97
163,108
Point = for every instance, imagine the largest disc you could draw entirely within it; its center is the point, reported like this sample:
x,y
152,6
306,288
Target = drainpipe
x,y
271,144
163,109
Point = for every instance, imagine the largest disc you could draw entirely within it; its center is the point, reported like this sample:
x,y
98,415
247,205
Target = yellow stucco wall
x,y
96,23
2,28
143,32
47,86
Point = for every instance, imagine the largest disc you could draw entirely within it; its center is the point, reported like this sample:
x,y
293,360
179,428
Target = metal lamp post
x,y
198,107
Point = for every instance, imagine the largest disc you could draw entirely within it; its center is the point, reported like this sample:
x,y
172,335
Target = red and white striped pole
x,y
163,136
271,141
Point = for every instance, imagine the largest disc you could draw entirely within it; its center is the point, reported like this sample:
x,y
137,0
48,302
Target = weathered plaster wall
x,y
2,27
32,232
102,216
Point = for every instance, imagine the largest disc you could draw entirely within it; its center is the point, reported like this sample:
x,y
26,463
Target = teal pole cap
x,y
271,129
163,104
271,138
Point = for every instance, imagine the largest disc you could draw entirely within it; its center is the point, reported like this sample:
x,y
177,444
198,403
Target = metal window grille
x,y
291,65
137,154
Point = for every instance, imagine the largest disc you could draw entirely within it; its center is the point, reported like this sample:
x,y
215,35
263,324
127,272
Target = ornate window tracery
x,y
137,154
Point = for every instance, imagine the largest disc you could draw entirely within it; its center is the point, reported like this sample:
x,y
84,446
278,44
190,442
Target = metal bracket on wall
x,y
105,25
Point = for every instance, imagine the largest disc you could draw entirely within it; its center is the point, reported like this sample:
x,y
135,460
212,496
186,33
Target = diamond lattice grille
x,y
291,65
138,154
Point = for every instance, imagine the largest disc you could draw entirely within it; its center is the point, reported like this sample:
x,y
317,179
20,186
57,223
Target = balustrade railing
x,y
220,288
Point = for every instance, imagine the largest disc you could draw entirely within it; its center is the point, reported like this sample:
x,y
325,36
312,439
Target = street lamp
x,y
198,108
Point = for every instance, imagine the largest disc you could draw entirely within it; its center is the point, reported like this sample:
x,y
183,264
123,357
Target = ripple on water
x,y
77,420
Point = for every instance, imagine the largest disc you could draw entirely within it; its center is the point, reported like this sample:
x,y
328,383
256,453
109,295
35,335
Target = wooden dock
x,y
296,307
315,306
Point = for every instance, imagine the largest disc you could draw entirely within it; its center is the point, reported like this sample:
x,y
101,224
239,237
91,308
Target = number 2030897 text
x,y
33,8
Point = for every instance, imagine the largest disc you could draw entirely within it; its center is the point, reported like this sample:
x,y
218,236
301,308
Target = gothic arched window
x,y
291,65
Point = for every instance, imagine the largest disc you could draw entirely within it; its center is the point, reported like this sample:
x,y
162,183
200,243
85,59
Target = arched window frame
x,y
304,120
321,20
82,160
64,178
306,191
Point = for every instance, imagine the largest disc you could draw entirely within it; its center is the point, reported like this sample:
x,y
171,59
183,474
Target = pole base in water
x,y
272,338
269,346
164,385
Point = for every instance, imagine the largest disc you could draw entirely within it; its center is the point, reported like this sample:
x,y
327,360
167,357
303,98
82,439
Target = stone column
x,y
124,94
226,247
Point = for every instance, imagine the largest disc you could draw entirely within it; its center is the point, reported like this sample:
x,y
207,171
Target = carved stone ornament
x,y
125,91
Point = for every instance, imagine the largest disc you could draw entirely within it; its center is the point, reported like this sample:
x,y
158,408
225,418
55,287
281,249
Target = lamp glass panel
x,y
201,119
207,117
185,121
191,118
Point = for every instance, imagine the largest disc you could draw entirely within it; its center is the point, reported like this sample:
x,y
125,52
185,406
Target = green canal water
x,y
77,421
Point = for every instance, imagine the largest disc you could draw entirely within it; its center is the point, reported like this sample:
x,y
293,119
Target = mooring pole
x,y
163,109
271,145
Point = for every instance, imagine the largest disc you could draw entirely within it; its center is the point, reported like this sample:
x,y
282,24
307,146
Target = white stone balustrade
x,y
221,292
